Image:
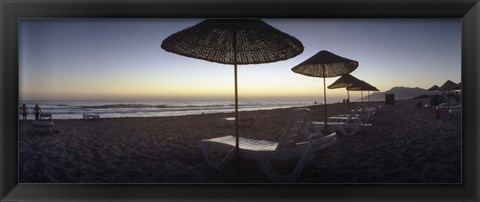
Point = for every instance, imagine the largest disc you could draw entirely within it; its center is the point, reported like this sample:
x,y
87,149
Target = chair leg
x,y
208,150
267,167
366,119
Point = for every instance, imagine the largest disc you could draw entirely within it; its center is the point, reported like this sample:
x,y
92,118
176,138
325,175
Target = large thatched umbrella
x,y
345,81
325,64
448,85
363,86
235,42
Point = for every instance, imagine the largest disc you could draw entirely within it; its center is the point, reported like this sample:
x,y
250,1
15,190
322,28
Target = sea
x,y
74,109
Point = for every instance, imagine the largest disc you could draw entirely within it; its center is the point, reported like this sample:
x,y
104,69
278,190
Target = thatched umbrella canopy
x,y
235,42
433,88
325,64
345,81
448,85
363,86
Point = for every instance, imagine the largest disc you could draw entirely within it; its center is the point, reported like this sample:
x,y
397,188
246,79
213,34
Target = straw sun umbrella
x,y
345,81
446,87
363,86
433,88
234,42
325,64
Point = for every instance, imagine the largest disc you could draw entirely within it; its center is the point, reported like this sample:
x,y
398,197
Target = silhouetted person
x,y
24,111
458,99
37,111
444,98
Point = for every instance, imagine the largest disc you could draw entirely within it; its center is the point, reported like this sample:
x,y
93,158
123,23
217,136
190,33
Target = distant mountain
x,y
401,93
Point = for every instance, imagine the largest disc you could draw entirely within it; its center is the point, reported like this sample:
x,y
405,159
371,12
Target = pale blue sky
x,y
122,59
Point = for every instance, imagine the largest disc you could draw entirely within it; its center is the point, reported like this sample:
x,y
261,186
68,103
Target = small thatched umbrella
x,y
345,81
433,88
235,42
363,86
325,64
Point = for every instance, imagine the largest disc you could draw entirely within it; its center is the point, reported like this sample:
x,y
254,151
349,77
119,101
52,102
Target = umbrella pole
x,y
448,100
348,100
325,101
368,103
237,144
361,94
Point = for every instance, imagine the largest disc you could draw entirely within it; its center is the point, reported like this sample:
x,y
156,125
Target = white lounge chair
x,y
219,151
346,125
91,116
42,125
360,116
44,116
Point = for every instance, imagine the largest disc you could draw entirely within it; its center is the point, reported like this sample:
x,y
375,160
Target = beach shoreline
x,y
405,144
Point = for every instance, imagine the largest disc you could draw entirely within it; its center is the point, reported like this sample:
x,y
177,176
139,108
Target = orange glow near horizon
x,y
173,90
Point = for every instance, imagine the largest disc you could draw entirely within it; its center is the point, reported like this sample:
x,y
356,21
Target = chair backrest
x,y
295,127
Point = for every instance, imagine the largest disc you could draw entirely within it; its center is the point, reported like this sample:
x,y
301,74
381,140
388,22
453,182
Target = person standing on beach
x,y
444,98
24,111
37,111
458,99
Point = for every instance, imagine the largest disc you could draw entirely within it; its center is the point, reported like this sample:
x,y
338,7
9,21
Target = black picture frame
x,y
11,11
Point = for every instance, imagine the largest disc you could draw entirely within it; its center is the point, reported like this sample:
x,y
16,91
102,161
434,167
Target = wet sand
x,y
405,144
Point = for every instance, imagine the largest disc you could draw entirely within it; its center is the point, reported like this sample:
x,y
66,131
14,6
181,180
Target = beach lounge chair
x,y
44,116
343,127
43,125
346,125
295,143
361,116
445,106
371,110
91,116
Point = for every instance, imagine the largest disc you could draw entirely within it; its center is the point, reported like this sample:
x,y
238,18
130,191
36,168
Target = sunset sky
x,y
122,59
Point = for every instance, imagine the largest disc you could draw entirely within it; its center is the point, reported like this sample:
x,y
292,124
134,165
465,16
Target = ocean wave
x,y
111,109
112,106
136,106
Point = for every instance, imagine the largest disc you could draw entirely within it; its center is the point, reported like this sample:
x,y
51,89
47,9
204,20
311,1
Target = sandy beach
x,y
405,144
